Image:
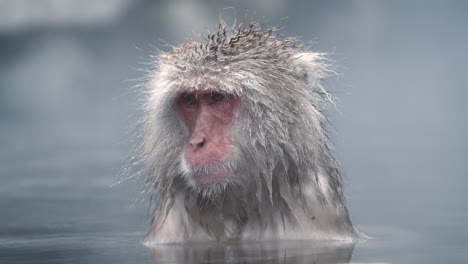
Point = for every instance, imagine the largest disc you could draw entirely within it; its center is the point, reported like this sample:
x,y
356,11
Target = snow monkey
x,y
234,145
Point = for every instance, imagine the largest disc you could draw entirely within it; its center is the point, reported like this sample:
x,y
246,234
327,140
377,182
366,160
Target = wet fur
x,y
286,183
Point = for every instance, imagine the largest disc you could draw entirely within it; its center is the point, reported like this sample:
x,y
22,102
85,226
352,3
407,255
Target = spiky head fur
x,y
286,183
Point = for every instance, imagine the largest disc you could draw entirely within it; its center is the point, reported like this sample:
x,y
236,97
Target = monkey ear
x,y
310,67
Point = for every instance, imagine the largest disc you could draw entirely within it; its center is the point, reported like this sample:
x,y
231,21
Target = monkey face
x,y
208,116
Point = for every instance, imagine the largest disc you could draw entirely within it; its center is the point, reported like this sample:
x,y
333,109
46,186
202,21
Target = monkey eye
x,y
190,99
217,96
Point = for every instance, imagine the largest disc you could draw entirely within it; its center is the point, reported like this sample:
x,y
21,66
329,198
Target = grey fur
x,y
286,183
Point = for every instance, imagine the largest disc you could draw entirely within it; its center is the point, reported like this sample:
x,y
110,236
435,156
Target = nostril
x,y
202,143
197,143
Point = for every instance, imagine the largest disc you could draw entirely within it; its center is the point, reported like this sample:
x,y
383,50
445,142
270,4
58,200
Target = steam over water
x,y
66,104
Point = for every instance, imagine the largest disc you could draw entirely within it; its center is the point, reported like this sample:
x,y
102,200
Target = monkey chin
x,y
206,176
208,179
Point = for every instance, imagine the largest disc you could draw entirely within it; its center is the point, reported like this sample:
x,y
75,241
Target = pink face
x,y
209,116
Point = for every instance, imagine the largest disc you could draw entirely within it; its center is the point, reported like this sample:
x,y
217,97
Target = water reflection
x,y
255,252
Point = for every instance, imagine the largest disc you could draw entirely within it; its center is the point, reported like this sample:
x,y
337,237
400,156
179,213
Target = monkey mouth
x,y
212,174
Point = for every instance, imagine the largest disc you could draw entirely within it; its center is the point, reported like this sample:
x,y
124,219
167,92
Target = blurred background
x,y
67,105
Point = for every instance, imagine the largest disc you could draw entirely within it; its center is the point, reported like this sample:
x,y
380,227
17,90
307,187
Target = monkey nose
x,y
197,143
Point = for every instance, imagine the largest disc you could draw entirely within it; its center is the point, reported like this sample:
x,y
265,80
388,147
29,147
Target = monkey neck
x,y
294,206
291,203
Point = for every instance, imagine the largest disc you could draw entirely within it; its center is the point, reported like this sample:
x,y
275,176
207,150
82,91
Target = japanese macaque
x,y
234,144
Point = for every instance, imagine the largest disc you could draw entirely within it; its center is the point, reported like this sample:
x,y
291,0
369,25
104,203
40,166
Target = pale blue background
x,y
67,68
